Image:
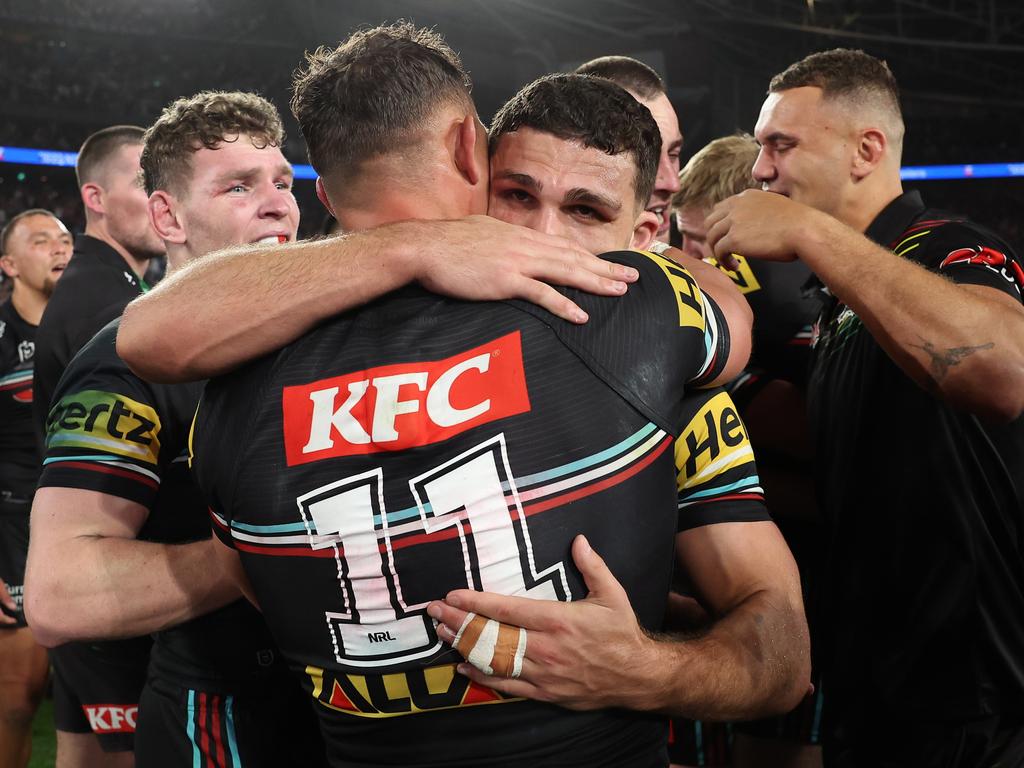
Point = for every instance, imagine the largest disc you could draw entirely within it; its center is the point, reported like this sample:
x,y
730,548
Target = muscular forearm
x,y
108,587
753,662
946,337
191,326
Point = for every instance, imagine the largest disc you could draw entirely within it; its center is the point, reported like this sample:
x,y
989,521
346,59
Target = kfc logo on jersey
x,y
395,407
992,260
111,718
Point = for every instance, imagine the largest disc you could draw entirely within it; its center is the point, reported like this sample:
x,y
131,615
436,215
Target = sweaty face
x,y
126,204
239,194
691,225
562,188
38,250
667,182
805,149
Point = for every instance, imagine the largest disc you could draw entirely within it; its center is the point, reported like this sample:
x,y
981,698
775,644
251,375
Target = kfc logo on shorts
x,y
395,407
111,718
992,260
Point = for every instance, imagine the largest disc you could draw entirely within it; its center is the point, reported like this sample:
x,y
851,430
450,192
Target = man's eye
x,y
237,188
584,212
517,195
283,185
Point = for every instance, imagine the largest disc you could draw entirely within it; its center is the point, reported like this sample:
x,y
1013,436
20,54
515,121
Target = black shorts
x,y
272,727
96,689
14,512
697,743
802,725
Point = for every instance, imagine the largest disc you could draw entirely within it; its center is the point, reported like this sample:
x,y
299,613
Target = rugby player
x,y
120,543
104,274
916,392
771,400
648,88
34,249
501,386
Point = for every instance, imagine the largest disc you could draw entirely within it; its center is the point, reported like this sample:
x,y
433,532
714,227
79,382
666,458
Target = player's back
x,y
422,445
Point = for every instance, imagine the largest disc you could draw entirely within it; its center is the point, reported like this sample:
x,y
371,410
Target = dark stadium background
x,y
72,67
68,68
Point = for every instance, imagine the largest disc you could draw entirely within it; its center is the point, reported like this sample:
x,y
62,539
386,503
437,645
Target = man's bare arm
x,y
238,304
953,340
752,661
88,578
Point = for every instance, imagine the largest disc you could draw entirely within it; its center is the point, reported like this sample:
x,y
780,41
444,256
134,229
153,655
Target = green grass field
x,y
44,742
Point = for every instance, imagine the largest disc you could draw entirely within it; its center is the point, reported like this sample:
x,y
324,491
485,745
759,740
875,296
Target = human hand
x,y
587,654
758,225
480,258
8,603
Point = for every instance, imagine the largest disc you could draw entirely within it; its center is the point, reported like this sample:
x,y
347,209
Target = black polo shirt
x,y
94,289
924,506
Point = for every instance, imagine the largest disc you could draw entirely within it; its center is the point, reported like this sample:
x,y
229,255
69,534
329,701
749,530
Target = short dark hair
x,y
591,110
842,72
373,93
635,76
204,120
10,226
99,146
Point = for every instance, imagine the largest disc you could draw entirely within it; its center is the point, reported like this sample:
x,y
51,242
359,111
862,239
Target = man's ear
x,y
163,215
469,150
644,230
321,195
872,145
8,266
92,197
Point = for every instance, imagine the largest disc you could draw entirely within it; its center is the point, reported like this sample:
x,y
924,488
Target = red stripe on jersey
x,y
204,731
732,497
218,742
241,546
118,472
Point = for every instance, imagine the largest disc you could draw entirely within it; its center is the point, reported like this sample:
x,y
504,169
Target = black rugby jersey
x,y
924,507
422,444
19,446
111,432
94,289
784,315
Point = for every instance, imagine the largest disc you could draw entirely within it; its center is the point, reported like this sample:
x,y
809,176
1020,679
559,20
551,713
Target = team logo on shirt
x,y
111,718
26,351
992,260
396,407
106,422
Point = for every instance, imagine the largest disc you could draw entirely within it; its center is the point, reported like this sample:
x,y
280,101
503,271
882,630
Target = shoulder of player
x,y
942,235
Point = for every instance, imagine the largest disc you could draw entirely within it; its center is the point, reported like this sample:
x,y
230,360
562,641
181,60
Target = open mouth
x,y
273,239
58,269
661,211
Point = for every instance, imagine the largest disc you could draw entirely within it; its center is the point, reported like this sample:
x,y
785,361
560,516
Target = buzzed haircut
x,y
373,93
592,111
205,120
10,226
842,72
719,170
635,76
100,146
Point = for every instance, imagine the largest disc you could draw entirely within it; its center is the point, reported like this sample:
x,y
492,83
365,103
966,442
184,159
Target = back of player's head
x,y
853,77
592,111
635,76
97,150
373,94
12,224
204,120
719,170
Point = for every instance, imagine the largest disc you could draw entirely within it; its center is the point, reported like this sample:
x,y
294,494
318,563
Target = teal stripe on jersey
x,y
522,483
747,482
16,377
190,729
52,459
229,725
278,528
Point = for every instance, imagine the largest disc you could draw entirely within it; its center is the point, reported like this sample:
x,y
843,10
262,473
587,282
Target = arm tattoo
x,y
942,361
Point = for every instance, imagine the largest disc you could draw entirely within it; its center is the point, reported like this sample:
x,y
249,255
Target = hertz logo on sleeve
x,y
743,275
717,431
688,295
105,422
